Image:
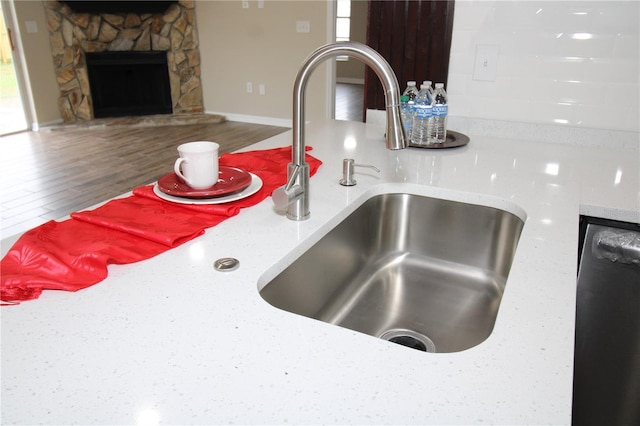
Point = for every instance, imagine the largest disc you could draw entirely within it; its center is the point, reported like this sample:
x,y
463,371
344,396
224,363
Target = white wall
x,y
261,46
573,63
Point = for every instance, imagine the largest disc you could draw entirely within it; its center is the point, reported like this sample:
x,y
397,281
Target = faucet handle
x,y
289,192
347,171
284,196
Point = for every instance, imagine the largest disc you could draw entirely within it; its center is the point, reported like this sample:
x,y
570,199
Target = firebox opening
x,y
129,83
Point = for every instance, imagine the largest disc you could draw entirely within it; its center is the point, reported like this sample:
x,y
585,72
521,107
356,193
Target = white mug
x,y
198,164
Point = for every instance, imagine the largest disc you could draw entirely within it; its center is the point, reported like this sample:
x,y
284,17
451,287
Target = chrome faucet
x,y
295,194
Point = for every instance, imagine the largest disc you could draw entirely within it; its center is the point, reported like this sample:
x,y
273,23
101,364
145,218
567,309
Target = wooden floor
x,y
349,101
51,173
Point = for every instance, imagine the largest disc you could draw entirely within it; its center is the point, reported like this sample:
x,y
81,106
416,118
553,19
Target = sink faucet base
x,y
300,210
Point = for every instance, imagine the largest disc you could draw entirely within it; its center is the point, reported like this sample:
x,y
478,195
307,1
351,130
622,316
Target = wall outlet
x,y
32,26
260,4
303,26
245,4
262,89
486,65
249,87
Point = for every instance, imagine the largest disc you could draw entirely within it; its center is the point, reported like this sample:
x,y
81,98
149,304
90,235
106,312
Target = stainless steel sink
x,y
423,272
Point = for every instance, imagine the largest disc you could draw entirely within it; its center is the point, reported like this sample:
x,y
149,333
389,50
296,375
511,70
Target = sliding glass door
x,y
12,112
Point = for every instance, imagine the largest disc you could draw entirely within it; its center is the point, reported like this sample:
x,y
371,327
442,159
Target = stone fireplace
x,y
74,35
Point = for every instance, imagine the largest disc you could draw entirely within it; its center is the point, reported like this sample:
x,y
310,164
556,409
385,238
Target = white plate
x,y
254,186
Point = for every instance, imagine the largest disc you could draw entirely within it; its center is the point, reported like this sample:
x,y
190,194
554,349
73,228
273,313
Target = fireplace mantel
x,y
119,6
75,34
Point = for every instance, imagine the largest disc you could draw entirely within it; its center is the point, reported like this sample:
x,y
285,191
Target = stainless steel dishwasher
x,y
606,383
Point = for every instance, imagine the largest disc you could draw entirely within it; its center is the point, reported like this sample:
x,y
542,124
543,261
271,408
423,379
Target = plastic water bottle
x,y
420,129
438,132
429,84
406,114
411,92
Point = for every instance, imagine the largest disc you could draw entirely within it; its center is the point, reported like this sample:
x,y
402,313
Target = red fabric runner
x,y
74,254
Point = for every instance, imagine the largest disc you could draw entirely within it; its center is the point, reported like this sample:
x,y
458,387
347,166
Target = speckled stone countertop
x,y
172,341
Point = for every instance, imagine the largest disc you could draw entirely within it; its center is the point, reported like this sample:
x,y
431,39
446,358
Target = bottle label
x,y
440,110
423,111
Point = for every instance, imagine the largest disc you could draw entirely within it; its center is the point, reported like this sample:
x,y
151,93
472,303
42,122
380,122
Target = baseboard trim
x,y
254,119
35,126
350,80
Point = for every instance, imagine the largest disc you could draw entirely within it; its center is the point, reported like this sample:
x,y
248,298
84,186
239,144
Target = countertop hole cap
x,y
226,264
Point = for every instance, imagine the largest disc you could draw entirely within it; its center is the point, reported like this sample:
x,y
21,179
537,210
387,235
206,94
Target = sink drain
x,y
410,339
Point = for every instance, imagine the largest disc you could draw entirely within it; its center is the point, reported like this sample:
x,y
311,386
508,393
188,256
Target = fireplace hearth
x,y
129,83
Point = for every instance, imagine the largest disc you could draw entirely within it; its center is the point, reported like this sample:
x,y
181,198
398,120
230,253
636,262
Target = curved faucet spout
x,y
296,193
395,132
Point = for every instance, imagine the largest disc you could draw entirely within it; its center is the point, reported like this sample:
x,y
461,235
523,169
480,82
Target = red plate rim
x,y
232,179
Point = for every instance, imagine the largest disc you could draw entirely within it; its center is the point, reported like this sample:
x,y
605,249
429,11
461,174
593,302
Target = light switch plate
x,y
486,64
